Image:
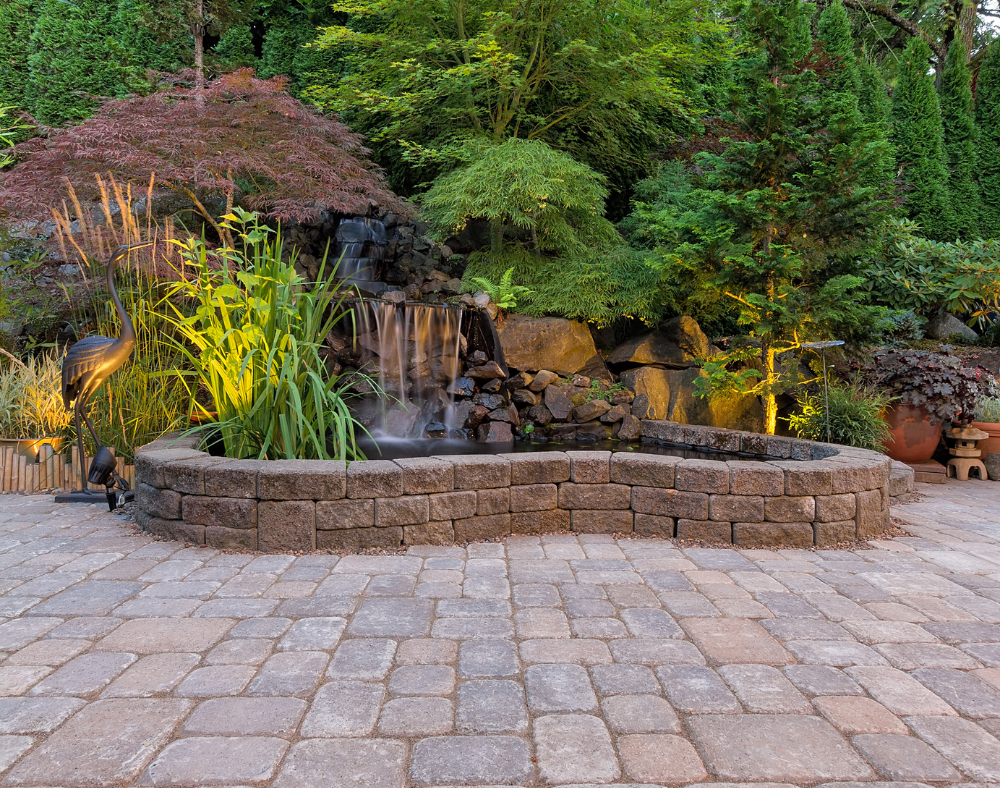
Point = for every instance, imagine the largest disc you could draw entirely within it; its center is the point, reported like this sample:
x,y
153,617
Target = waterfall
x,y
360,246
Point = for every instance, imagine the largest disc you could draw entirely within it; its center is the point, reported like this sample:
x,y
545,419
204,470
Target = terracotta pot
x,y
914,439
992,444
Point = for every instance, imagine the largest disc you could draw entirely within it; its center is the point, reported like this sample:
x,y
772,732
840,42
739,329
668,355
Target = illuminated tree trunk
x,y
198,31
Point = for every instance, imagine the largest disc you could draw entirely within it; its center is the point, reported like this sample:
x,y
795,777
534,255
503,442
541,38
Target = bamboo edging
x,y
55,473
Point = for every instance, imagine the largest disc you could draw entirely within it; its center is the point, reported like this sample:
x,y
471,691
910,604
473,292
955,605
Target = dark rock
x,y
452,286
462,387
435,429
520,381
460,435
476,416
488,371
477,357
495,432
944,325
531,344
489,401
593,430
526,397
617,413
566,432
581,380
542,379
558,403
508,414
577,394
676,344
992,463
394,296
640,406
623,397
596,369
540,415
492,387
631,429
591,410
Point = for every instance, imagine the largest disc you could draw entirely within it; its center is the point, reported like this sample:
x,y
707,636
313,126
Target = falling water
x,y
361,244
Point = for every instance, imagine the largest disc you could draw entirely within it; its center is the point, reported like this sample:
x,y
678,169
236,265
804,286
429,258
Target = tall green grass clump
x,y
30,398
855,417
253,342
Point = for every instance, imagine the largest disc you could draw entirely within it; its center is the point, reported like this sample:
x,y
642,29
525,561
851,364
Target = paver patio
x,y
564,659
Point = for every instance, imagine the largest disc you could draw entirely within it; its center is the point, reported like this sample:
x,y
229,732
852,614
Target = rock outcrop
x,y
531,344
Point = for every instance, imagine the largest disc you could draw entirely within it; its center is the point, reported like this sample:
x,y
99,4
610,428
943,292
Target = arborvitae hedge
x,y
235,49
17,17
988,134
834,30
960,141
918,136
143,47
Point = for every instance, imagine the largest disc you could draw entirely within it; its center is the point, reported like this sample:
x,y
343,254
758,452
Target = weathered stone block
x,y
533,497
707,476
671,503
552,521
594,496
479,471
302,480
491,526
286,525
755,478
347,513
779,447
901,479
493,501
696,435
825,534
643,470
374,479
405,510
601,521
542,468
453,505
231,538
233,478
801,450
808,478
872,517
653,525
188,475
440,533
753,443
705,531
360,538
831,508
590,467
426,475
722,440
789,509
150,462
158,503
773,534
736,508
657,430
223,512
175,529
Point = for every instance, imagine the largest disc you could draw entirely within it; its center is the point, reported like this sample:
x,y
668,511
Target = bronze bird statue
x,y
92,360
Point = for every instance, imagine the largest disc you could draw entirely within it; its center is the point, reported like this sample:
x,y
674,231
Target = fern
x,y
505,294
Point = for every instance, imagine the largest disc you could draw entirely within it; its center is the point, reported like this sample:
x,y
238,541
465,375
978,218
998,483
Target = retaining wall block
x,y
436,533
736,508
479,471
541,468
426,475
405,510
188,475
165,504
707,476
643,470
752,443
454,505
231,538
176,529
286,525
547,522
345,514
493,526
872,516
374,479
722,440
533,497
808,478
773,534
830,533
302,480
670,503
834,508
233,478
705,531
495,501
594,496
360,538
238,513
653,525
589,467
778,447
149,463
788,509
749,477
666,431
601,521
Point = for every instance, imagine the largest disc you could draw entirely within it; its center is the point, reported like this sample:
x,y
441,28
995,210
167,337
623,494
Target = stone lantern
x,y
964,454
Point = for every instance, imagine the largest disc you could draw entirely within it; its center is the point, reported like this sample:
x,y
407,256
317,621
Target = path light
x,y
826,381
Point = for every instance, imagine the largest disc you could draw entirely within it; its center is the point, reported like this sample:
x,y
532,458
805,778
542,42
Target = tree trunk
x,y
496,236
198,31
768,355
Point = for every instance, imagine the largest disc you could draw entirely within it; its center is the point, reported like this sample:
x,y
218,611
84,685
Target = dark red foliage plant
x,y
245,141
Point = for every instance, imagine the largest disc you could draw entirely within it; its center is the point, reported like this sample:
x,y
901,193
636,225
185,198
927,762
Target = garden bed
x,y
804,494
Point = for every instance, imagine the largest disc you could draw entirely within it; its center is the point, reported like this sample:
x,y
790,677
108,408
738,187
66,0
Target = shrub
x,y
855,417
254,344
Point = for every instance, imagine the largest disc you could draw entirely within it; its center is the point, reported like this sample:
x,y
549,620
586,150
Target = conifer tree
x,y
960,141
834,30
235,49
988,137
16,20
73,57
873,101
919,139
143,47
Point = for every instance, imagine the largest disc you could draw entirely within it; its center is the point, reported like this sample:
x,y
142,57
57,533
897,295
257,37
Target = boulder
x,y
631,429
495,432
531,344
488,371
540,415
526,397
992,463
676,344
589,411
559,405
542,379
944,325
617,413
640,406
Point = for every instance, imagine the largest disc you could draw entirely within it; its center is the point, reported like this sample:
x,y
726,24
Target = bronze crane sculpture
x,y
86,366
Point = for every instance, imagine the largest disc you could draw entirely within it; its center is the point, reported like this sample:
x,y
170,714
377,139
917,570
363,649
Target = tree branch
x,y
888,14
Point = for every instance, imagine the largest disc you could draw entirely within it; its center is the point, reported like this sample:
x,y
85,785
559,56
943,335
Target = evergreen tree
x,y
834,30
73,57
988,136
144,48
17,17
960,141
286,49
235,49
919,139
873,100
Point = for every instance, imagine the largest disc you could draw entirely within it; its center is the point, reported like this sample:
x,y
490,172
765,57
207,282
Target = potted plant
x,y
931,390
988,414
31,407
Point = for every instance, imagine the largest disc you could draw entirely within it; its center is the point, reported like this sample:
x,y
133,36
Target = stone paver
x,y
561,659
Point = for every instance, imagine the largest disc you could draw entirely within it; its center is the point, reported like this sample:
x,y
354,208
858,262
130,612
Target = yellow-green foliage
x,y
30,400
855,417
